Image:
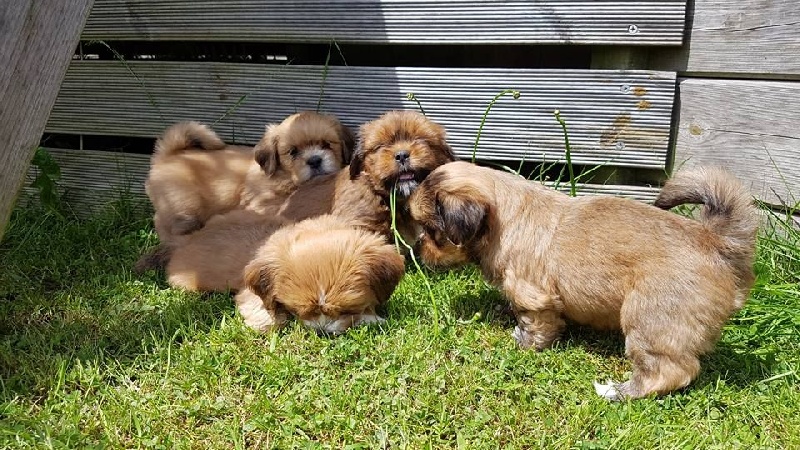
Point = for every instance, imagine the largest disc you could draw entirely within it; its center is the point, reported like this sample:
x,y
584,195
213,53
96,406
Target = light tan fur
x,y
324,271
668,282
213,258
195,176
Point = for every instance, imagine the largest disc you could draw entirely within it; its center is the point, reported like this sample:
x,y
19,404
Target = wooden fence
x,y
644,86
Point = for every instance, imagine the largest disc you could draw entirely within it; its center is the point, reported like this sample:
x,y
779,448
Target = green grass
x,y
93,356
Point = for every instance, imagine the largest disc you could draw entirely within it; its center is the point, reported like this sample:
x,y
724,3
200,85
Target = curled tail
x,y
728,210
187,135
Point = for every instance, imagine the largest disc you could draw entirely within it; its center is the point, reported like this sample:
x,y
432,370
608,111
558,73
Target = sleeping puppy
x,y
194,175
324,271
668,282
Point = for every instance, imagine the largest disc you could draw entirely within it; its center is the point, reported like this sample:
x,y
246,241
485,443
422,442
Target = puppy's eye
x,y
326,145
293,152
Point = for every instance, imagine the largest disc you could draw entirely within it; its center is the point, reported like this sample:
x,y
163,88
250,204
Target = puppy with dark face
x,y
324,271
668,282
195,176
395,153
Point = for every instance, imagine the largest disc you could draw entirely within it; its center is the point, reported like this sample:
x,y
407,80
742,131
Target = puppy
x,y
394,154
194,175
324,271
668,282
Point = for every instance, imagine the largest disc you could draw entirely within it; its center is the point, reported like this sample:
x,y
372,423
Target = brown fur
x,y
668,282
377,162
324,271
194,175
213,258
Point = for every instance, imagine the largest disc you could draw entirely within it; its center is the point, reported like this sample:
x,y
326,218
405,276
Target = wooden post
x,y
37,41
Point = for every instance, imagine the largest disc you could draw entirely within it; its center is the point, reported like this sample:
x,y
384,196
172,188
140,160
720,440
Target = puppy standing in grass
x,y
668,282
195,176
333,271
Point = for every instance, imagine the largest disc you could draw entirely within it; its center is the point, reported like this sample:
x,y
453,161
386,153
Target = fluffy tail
x,y
728,207
155,259
186,135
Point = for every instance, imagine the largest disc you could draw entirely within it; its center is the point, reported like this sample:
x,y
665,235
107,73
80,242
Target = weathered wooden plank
x,y
614,117
754,37
37,40
654,22
750,127
91,179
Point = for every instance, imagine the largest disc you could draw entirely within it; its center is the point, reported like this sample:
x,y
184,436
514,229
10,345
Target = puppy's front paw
x,y
609,391
524,339
368,319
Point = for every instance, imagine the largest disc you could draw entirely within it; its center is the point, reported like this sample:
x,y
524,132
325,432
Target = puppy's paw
x,y
368,319
524,339
255,315
609,391
527,339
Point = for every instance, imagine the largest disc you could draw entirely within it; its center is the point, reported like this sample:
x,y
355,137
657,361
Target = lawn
x,y
92,355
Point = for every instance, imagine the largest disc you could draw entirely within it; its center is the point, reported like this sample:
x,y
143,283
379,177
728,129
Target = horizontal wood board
x,y
620,118
749,127
91,179
655,22
749,37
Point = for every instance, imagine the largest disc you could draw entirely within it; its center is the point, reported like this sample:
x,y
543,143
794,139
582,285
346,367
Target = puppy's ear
x,y
439,142
385,269
259,276
266,151
357,162
463,219
348,140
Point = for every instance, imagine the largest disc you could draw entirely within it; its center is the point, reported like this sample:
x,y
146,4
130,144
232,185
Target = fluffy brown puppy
x,y
194,175
668,282
395,152
324,271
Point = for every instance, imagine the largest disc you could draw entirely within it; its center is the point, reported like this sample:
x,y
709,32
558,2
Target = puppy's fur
x,y
194,175
396,152
213,258
324,271
399,148
668,282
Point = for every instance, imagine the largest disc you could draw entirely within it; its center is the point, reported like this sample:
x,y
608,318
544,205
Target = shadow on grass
x,y
67,297
728,362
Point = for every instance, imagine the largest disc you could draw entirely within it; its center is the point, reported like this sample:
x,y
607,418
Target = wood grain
x,y
618,118
655,22
758,38
750,127
37,40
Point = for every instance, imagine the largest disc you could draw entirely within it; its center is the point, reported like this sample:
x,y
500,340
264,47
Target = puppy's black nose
x,y
315,161
402,156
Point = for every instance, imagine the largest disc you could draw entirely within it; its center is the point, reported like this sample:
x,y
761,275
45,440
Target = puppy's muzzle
x,y
315,162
